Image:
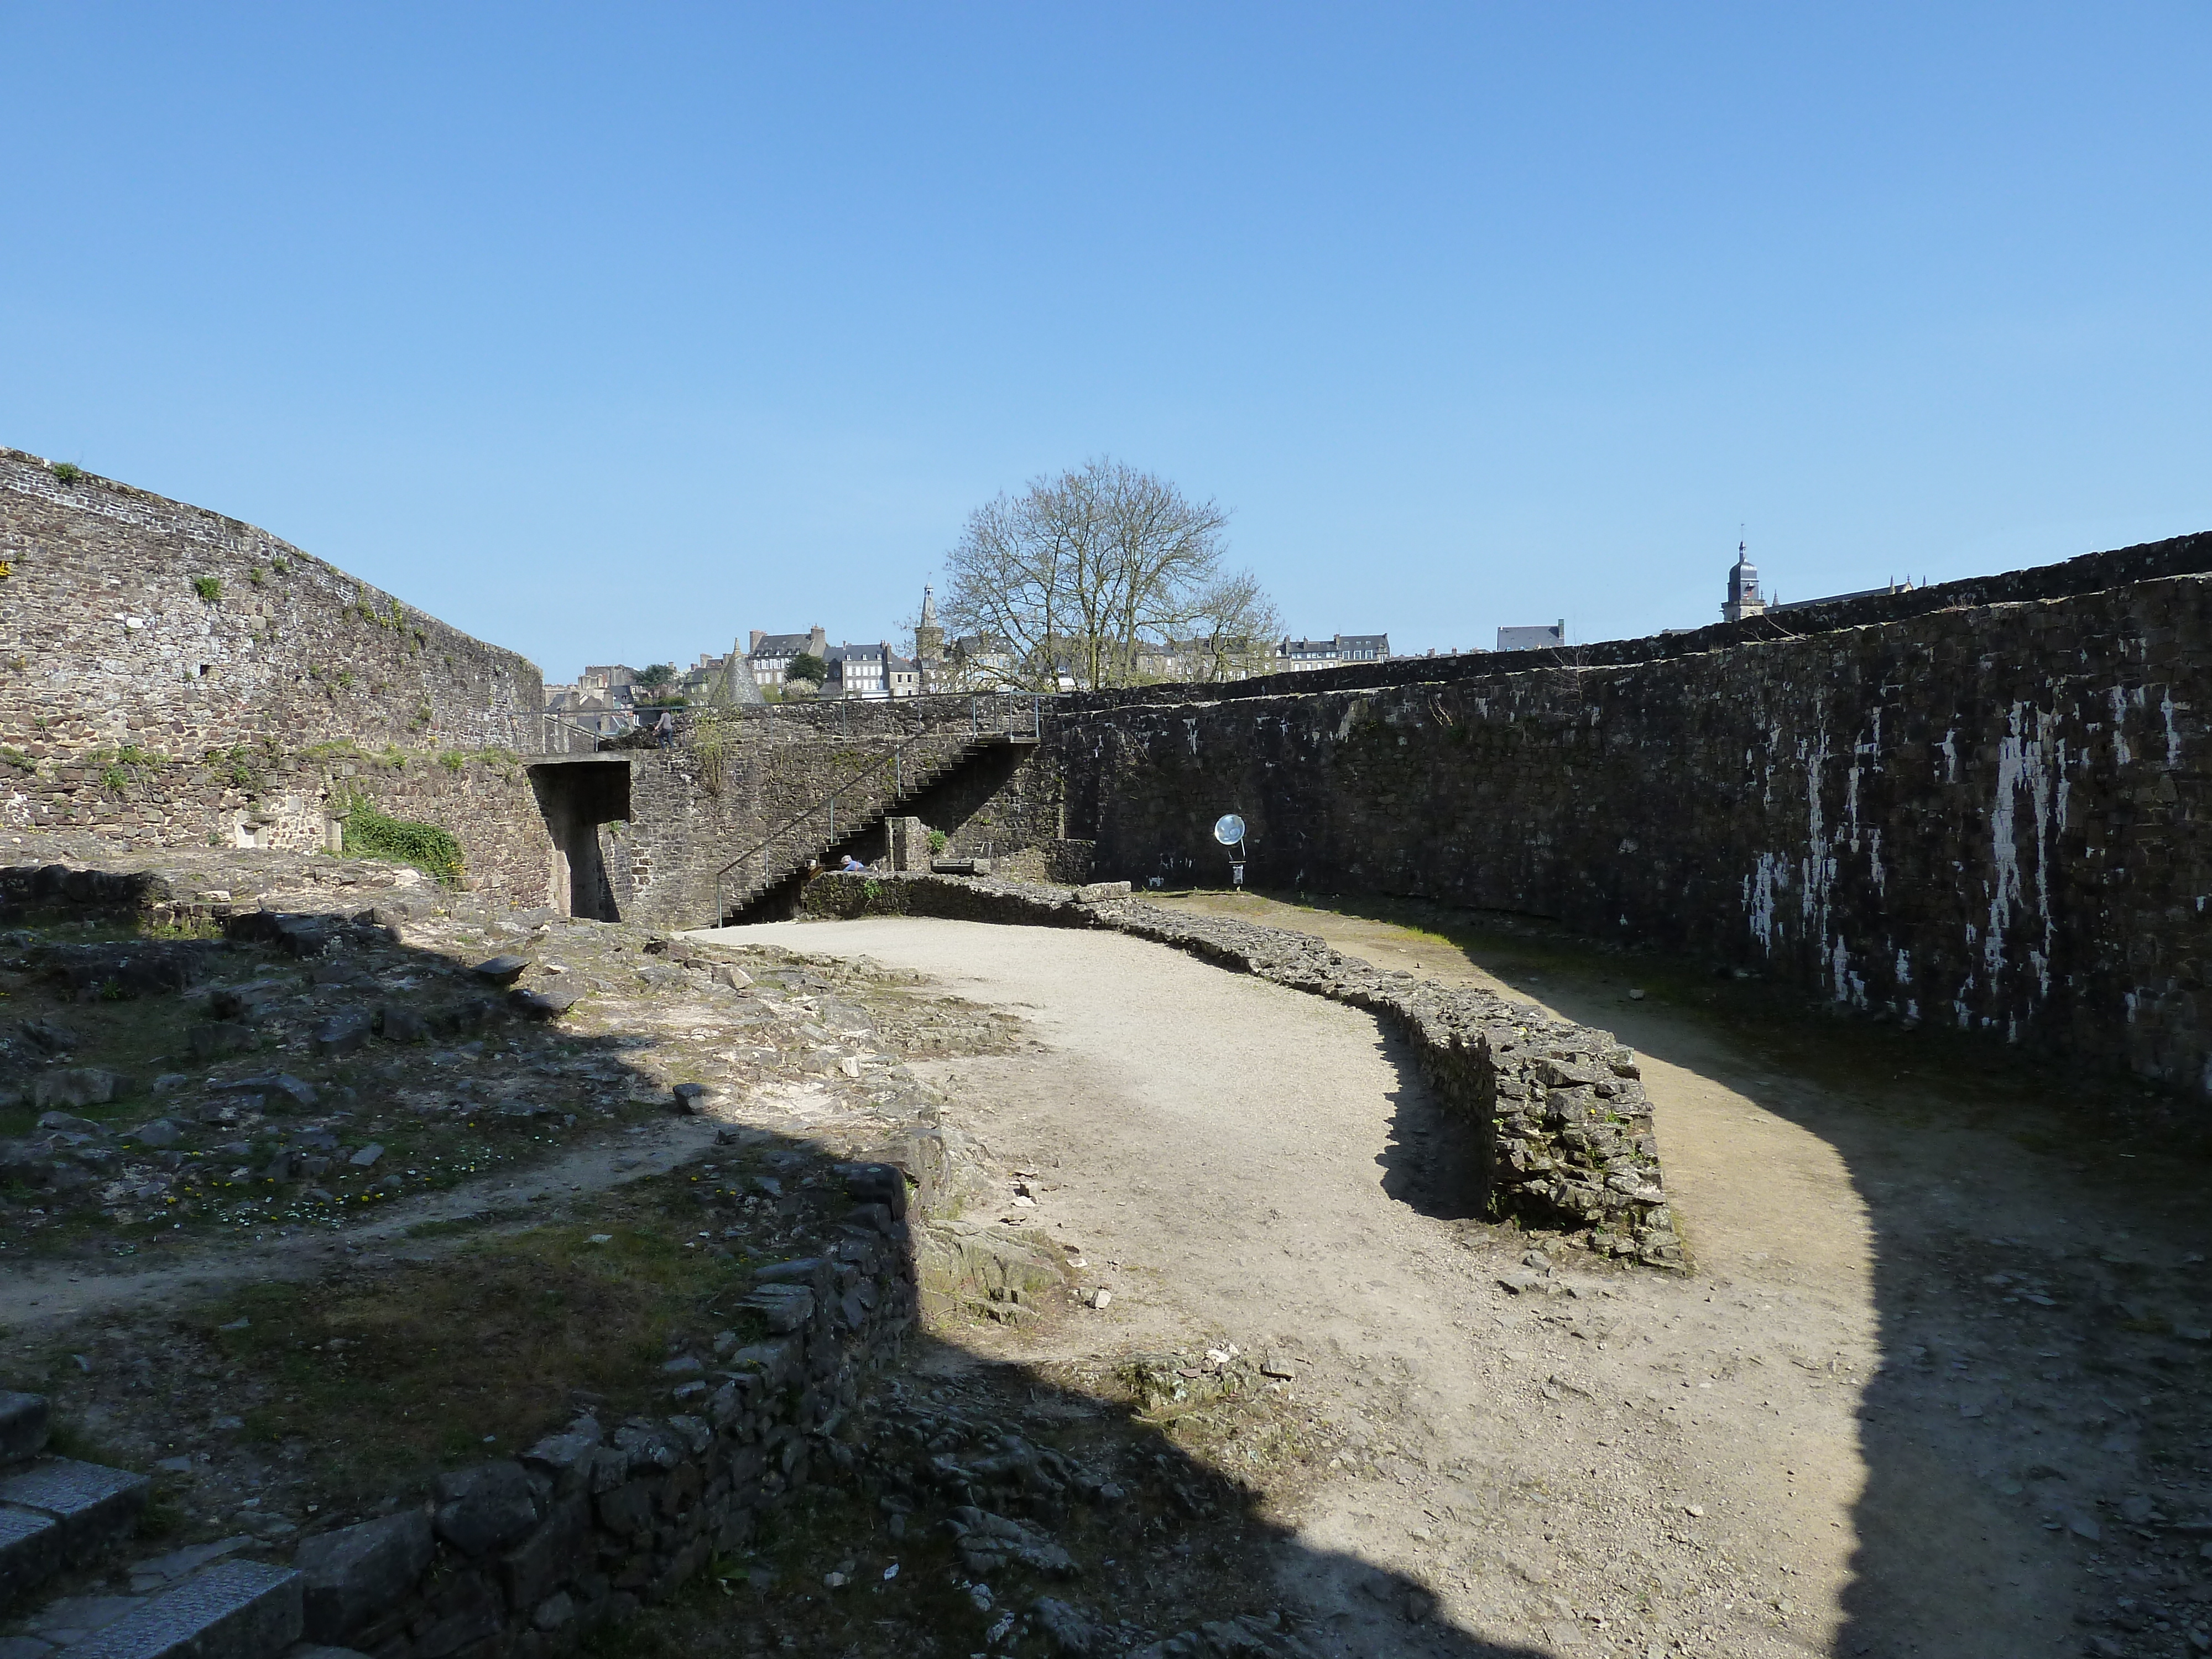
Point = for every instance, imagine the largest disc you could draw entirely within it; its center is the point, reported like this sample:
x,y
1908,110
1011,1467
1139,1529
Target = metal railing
x,y
991,721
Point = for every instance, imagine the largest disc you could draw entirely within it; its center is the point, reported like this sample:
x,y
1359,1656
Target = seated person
x,y
850,865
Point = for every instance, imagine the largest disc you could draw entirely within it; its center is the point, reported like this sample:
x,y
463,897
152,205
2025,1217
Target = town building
x,y
1302,656
770,655
1533,639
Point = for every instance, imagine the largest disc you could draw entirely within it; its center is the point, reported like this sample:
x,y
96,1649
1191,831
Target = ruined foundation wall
x,y
1991,816
1562,1128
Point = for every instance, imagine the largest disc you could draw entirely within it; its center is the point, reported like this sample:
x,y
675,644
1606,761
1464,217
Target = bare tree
x,y
1095,578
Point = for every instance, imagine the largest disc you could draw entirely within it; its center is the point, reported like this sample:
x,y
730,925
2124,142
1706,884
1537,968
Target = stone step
x,y
92,1506
234,1610
23,1426
30,1552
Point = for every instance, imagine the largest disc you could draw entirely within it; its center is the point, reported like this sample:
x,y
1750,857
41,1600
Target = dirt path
x,y
1608,1463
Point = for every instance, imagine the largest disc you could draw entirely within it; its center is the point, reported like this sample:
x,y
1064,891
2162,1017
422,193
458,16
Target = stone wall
x,y
1990,815
271,797
518,1557
1562,1133
176,678
130,619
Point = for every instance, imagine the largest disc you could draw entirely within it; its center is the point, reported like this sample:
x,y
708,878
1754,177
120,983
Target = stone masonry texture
x,y
174,677
1986,814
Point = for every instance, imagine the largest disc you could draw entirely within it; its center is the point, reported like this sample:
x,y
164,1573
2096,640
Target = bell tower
x,y
1743,598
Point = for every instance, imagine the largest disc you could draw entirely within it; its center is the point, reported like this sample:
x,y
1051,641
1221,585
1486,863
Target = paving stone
x,y
72,1617
95,1505
235,1610
22,1425
30,1551
161,1570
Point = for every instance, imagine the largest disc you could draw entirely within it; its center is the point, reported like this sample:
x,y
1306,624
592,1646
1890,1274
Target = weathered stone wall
x,y
1991,816
271,797
176,678
108,642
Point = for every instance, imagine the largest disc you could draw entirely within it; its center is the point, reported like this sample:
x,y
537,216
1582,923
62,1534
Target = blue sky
x,y
607,333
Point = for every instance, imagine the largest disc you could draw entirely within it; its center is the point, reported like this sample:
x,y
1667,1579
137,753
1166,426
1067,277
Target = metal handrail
x,y
976,732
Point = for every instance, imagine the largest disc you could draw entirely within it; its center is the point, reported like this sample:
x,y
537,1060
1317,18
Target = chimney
x,y
757,636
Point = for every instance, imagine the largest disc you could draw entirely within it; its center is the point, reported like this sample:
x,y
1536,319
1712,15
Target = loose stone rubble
x,y
1570,1146
317,1049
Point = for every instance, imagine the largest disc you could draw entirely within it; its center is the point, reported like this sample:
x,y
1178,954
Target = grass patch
x,y
370,835
393,1376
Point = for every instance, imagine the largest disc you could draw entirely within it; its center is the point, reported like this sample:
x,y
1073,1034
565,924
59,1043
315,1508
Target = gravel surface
x,y
1927,1391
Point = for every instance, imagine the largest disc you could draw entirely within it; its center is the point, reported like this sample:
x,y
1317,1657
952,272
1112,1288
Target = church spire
x,y
1743,595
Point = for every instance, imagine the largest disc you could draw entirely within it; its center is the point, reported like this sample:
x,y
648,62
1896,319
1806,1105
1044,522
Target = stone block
x,y
74,1086
22,1425
502,971
351,1575
397,1024
235,1610
92,1504
542,1005
559,1549
218,1037
342,1033
468,1610
485,1507
30,1551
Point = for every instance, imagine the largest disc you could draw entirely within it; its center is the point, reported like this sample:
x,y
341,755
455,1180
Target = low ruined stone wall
x,y
519,1557
130,619
1557,1108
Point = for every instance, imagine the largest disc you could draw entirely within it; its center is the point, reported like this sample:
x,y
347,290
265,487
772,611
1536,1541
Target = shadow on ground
x,y
2037,1441
961,1502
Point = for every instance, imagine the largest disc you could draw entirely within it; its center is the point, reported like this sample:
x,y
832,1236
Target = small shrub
x,y
18,759
346,677
114,778
208,588
279,566
369,834
452,759
68,473
938,839
257,575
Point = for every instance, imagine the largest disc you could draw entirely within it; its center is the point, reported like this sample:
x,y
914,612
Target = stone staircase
x,y
59,1515
859,805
